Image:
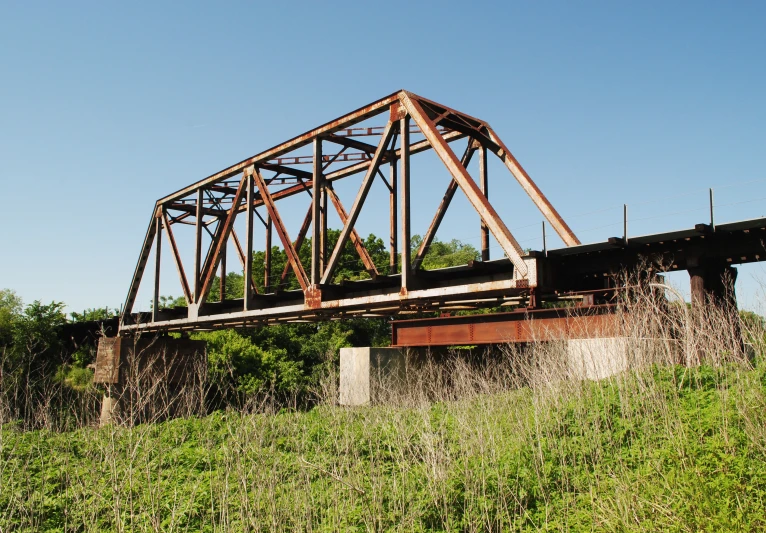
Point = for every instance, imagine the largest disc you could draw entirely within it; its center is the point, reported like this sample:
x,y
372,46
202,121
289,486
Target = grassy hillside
x,y
666,448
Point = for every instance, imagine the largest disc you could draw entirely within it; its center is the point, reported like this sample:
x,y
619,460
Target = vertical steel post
x,y
697,287
545,244
404,129
157,258
712,220
394,252
267,257
198,247
249,243
323,232
222,276
316,227
484,186
625,224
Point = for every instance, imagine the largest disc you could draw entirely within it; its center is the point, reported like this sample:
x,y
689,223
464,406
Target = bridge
x,y
377,142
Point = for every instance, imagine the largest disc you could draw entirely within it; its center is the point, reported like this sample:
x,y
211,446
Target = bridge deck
x,y
559,274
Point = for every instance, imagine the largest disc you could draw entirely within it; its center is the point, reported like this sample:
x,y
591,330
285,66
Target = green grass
x,y
669,449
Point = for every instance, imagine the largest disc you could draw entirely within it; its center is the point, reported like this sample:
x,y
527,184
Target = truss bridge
x,y
378,142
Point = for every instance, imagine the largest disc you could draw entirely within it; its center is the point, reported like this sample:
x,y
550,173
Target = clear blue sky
x,y
104,108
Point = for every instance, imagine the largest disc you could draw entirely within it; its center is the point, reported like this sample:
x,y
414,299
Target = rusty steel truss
x,y
253,188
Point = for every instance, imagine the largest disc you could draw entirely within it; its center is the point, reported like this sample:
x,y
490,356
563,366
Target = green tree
x,y
445,254
10,307
94,314
349,266
36,335
291,357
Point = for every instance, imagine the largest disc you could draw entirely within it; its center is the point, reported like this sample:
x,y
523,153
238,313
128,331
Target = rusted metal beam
x,y
501,328
323,231
415,148
358,202
222,275
393,258
428,238
292,255
242,258
192,208
366,132
345,121
298,242
198,246
484,187
177,258
345,172
223,231
404,189
304,186
224,189
480,290
282,169
214,239
316,210
529,186
327,159
468,119
267,256
157,263
348,142
480,204
356,240
249,293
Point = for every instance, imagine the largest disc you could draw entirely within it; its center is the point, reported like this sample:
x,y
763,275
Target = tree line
x,y
284,359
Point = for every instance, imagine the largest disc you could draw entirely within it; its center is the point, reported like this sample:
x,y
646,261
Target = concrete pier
x,y
597,358
363,370
110,409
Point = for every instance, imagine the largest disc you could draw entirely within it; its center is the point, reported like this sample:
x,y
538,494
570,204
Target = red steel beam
x,y
292,255
250,220
345,121
478,201
306,185
529,186
242,257
442,210
138,273
356,240
226,227
177,259
298,241
358,203
499,328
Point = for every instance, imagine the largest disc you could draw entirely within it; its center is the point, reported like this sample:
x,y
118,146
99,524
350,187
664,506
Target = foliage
x,y
668,449
75,377
286,358
349,267
95,314
234,358
445,254
10,307
36,340
169,302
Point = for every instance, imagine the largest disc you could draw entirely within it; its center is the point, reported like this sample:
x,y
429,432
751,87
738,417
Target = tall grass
x,y
675,441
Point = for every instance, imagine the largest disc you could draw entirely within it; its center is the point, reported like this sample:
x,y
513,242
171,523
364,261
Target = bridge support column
x,y
110,406
366,372
713,283
712,287
148,378
597,358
